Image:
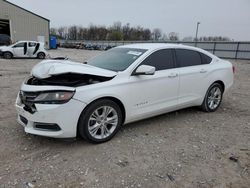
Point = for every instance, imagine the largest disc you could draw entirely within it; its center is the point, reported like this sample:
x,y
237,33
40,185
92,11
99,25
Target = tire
x,y
212,98
94,126
7,55
41,55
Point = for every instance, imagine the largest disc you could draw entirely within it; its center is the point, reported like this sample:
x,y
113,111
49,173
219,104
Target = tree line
x,y
116,32
119,32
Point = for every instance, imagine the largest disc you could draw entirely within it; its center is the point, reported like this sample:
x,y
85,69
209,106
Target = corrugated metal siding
x,y
24,25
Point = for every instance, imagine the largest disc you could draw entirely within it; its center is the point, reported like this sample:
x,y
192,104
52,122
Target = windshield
x,y
117,59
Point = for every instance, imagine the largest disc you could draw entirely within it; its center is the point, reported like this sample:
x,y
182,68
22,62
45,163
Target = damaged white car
x,y
24,49
128,83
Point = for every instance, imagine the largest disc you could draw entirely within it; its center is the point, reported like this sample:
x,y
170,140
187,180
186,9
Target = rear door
x,y
154,94
20,49
193,72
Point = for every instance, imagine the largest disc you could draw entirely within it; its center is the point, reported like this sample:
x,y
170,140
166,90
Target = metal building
x,y
21,24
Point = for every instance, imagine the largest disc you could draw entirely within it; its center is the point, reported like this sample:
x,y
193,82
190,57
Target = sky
x,y
229,18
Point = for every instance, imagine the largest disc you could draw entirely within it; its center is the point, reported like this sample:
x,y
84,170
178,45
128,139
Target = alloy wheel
x,y
214,98
102,122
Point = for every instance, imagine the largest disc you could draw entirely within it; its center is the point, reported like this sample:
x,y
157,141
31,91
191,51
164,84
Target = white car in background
x,y
24,49
125,84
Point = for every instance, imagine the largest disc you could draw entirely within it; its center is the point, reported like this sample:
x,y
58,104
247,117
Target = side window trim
x,y
200,58
174,58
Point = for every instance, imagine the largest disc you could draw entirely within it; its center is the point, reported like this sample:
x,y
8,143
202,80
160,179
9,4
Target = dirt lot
x,y
187,148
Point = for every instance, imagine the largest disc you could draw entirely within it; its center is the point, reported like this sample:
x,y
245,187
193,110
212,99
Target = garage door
x,y
4,27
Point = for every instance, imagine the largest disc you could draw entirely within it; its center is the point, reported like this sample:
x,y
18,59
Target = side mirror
x,y
145,70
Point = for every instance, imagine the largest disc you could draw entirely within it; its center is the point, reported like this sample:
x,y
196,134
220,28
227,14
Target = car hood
x,y
48,68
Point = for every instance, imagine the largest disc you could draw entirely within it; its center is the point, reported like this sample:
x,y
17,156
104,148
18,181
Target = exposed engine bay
x,y
68,79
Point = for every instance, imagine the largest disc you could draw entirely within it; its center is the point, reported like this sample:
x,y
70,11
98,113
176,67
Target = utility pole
x,y
196,35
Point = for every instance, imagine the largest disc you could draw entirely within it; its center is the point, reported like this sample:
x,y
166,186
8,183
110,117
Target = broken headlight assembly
x,y
55,97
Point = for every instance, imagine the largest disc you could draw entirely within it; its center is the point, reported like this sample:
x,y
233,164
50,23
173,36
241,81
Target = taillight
x,y
233,69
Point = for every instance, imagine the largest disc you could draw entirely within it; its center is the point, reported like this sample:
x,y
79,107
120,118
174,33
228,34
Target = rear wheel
x,y
213,98
100,121
41,55
7,55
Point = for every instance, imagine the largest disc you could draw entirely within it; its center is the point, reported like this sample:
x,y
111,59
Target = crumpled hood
x,y
48,68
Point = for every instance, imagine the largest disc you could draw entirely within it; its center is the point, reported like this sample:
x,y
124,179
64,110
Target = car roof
x,y
149,46
156,46
28,41
152,46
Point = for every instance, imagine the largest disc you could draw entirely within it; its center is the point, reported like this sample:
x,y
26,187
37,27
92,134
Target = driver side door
x,y
154,94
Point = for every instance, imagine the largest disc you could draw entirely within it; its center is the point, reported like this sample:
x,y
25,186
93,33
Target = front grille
x,y
27,98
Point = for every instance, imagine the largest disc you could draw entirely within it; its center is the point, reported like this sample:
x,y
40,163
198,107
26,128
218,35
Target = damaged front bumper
x,y
50,120
52,81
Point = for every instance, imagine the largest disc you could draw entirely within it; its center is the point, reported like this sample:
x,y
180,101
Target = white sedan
x,y
62,98
24,49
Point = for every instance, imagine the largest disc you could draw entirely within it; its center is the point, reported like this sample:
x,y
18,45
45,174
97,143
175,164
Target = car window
x,y
187,58
205,59
161,60
32,44
117,59
19,45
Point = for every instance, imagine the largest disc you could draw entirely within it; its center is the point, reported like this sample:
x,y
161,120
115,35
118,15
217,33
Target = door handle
x,y
203,71
173,75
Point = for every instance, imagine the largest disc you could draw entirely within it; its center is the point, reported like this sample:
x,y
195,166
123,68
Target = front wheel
x,y
100,121
213,98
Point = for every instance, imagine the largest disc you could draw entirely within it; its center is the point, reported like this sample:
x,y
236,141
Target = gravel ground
x,y
187,148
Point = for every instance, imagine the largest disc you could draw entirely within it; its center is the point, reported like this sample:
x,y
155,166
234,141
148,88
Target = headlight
x,y
58,97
